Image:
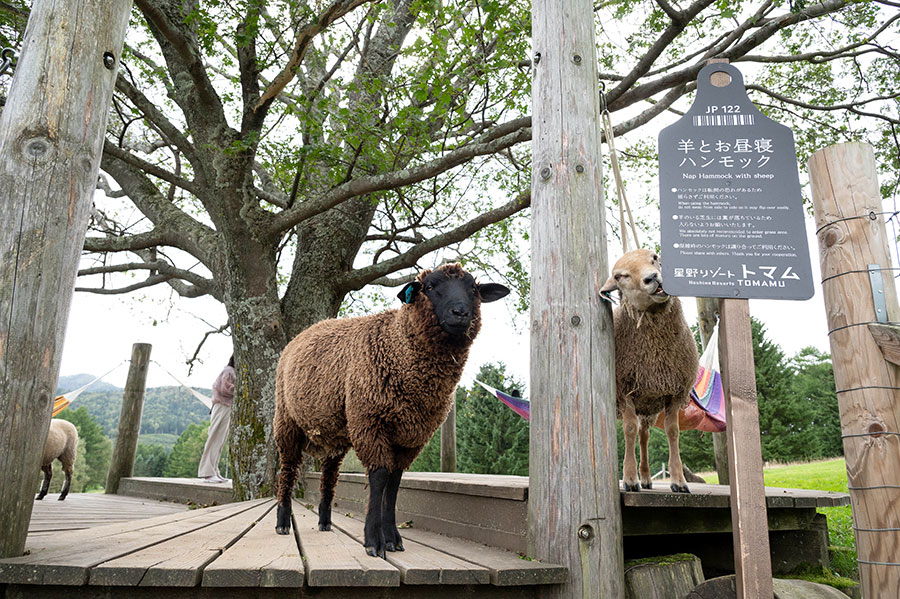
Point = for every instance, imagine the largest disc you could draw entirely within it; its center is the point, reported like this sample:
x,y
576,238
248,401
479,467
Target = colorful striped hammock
x,y
705,412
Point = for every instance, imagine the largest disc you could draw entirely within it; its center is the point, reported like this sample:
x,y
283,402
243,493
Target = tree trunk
x,y
51,138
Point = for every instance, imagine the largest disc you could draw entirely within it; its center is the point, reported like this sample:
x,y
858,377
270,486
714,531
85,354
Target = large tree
x,y
283,154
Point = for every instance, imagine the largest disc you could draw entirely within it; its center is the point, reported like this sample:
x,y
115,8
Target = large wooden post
x,y
749,524
574,515
448,441
51,138
122,463
852,236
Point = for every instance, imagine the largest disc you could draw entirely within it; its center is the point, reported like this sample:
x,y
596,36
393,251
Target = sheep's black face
x,y
455,298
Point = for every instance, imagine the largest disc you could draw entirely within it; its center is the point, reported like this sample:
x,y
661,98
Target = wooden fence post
x,y
852,236
707,314
51,139
122,463
574,514
749,524
448,441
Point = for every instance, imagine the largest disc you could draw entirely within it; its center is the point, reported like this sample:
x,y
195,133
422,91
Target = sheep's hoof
x,y
283,530
676,488
375,553
631,486
39,497
647,484
324,526
398,546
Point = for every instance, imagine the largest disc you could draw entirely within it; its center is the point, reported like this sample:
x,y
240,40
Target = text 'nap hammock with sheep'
x,y
705,411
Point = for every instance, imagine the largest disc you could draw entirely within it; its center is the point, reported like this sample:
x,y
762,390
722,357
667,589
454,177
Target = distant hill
x,y
74,381
167,410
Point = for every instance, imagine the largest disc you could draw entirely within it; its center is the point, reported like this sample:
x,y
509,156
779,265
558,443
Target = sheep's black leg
x,y
45,486
290,439
330,473
374,529
392,539
65,489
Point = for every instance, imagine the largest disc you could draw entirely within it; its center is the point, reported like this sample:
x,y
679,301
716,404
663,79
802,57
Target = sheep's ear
x,y
409,292
491,292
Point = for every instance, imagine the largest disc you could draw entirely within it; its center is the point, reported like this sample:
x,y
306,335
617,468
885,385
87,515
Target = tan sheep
x,y
61,444
656,362
381,384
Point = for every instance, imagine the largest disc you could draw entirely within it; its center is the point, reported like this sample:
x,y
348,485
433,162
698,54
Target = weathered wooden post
x,y
122,463
574,516
448,441
749,523
51,138
853,247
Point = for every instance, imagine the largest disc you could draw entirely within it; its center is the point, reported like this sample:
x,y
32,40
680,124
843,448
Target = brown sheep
x,y
656,362
381,384
62,444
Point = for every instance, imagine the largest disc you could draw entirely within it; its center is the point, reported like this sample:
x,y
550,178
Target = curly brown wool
x,y
656,362
381,384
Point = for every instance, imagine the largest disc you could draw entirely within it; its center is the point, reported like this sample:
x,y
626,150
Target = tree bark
x,y
51,138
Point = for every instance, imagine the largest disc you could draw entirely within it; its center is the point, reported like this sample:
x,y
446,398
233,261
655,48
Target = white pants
x,y
218,433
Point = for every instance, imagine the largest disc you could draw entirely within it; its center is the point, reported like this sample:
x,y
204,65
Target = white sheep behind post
x,y
61,444
656,363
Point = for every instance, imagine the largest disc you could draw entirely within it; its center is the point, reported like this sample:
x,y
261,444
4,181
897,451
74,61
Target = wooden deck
x,y
493,510
232,551
86,510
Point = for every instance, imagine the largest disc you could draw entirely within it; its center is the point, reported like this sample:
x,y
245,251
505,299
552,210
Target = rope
x,y
617,175
206,401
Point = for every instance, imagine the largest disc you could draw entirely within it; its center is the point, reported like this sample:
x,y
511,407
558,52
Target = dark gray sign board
x,y
731,212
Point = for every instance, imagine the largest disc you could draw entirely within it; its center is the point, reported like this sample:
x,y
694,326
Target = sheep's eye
x,y
429,287
617,277
655,257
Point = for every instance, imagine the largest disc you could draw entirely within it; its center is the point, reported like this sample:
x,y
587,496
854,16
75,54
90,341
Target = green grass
x,y
827,475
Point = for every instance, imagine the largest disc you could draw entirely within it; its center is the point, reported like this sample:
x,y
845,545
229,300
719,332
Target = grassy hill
x,y
167,410
74,381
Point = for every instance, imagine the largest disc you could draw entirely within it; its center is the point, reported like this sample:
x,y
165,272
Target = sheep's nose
x,y
651,279
460,311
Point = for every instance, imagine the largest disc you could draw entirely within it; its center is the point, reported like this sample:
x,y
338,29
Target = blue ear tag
x,y
408,298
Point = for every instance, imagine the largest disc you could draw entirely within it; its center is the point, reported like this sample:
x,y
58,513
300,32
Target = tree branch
x,y
501,137
199,284
172,30
304,38
112,149
358,278
663,42
182,231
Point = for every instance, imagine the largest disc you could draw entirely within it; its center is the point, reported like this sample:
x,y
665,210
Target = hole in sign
x,y
720,78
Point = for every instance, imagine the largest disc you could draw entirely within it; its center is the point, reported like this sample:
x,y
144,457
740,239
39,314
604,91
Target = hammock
x,y
61,401
707,394
519,405
705,411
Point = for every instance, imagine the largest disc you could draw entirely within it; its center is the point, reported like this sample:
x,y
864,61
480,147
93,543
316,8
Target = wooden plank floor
x,y
85,510
235,547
